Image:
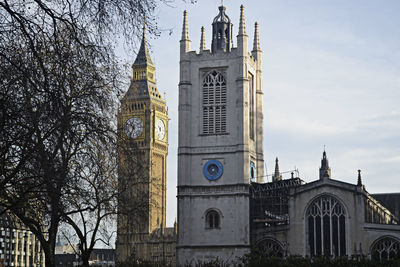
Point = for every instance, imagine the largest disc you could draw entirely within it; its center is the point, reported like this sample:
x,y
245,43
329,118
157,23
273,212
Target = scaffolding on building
x,y
269,202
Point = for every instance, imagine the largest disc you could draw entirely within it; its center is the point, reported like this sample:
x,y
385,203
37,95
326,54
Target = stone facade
x,y
18,246
142,155
220,142
324,217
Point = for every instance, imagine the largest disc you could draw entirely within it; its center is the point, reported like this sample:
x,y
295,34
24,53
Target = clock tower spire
x,y
143,67
142,155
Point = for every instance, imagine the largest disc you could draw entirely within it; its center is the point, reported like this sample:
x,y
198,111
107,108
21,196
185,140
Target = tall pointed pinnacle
x,y
175,226
143,68
277,175
324,171
143,56
277,167
242,25
185,28
202,40
359,182
185,42
256,42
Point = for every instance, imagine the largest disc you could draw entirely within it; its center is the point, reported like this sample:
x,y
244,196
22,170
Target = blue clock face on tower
x,y
213,169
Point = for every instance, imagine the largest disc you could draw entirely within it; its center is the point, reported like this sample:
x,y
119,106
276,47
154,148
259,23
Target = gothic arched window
x,y
212,219
326,227
385,248
214,103
270,247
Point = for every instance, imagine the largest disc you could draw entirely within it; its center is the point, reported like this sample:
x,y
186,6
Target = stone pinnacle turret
x,y
202,40
324,171
277,175
242,24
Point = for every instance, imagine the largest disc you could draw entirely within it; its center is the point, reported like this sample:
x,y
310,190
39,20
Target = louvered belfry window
x,y
214,103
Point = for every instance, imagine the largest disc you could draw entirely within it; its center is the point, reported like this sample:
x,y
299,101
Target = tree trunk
x,y
85,258
49,258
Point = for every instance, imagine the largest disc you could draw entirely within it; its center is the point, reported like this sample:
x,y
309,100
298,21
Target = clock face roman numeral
x,y
133,127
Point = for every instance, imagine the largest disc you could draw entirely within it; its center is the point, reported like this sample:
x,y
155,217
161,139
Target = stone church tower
x,y
220,141
142,154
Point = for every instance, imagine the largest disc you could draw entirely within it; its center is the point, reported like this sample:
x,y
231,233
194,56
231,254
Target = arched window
x,y
214,103
326,225
385,248
270,247
212,219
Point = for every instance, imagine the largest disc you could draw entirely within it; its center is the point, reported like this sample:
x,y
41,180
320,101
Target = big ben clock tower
x,y
142,153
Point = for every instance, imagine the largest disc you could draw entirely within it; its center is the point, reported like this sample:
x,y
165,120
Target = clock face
x,y
213,169
160,129
133,127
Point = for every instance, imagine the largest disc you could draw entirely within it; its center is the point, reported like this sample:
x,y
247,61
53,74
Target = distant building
x,y
18,246
66,260
67,256
161,246
66,248
102,257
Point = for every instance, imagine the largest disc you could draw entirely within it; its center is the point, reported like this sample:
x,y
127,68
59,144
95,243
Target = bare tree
x,y
100,196
59,85
93,209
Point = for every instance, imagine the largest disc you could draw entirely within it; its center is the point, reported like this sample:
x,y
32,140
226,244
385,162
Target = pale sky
x,y
331,76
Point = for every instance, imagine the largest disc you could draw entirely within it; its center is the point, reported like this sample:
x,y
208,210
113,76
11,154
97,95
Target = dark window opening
x,y
326,219
386,248
212,219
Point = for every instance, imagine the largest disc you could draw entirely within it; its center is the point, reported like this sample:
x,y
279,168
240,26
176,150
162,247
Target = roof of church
x,y
166,234
275,185
390,201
